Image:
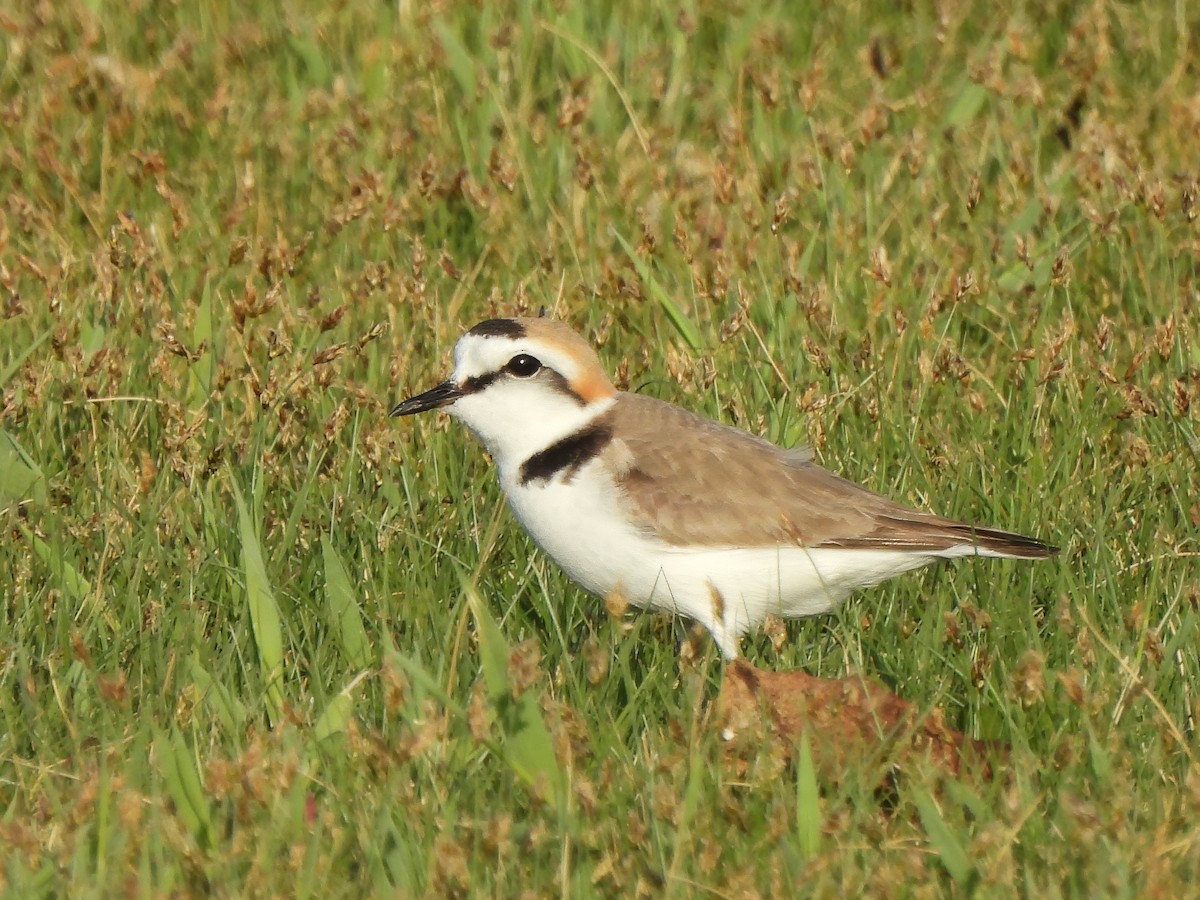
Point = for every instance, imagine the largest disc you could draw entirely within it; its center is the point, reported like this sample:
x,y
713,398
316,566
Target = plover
x,y
634,496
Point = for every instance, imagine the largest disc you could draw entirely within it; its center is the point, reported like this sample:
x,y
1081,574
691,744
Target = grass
x,y
261,640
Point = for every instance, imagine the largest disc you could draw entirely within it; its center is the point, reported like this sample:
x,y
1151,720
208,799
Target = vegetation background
x,y
259,639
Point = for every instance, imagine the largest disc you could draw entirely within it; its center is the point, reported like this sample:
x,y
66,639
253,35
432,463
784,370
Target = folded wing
x,y
720,487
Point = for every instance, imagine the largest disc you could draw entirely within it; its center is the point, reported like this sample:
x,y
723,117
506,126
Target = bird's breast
x,y
578,522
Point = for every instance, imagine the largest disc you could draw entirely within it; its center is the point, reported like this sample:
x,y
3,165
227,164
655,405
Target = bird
x,y
638,498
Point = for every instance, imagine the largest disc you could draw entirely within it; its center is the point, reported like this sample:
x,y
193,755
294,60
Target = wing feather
x,y
712,485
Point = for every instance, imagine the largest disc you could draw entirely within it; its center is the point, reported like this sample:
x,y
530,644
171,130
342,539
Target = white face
x,y
521,385
517,395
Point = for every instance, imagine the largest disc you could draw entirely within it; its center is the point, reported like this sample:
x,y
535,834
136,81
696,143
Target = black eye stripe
x,y
479,382
528,366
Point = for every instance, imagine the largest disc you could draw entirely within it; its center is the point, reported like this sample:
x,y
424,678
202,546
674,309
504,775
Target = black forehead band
x,y
509,328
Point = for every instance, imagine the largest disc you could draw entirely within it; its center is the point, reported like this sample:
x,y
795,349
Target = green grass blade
x,y
804,267
264,612
692,793
177,766
344,612
422,679
462,63
966,105
15,366
944,842
73,584
204,369
20,477
527,743
808,801
312,56
91,338
338,712
493,649
686,328
228,709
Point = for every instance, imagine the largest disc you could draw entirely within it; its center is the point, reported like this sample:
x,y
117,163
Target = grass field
x,y
258,639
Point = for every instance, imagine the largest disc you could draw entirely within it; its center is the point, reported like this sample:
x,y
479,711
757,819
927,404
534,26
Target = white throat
x,y
515,420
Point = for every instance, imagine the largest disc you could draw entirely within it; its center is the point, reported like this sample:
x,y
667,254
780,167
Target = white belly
x,y
729,590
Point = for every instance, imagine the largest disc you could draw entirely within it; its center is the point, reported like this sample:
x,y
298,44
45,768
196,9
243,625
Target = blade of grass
x,y
944,842
264,612
229,710
966,105
343,609
15,366
422,679
686,328
528,746
20,477
337,713
73,584
808,801
203,370
462,63
91,338
177,767
692,792
312,56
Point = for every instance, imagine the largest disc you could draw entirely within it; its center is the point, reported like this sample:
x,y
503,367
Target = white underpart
x,y
583,529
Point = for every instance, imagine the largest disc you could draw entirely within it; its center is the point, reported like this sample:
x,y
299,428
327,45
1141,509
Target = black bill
x,y
434,398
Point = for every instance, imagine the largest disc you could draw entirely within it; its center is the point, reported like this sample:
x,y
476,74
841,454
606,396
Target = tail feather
x,y
941,536
1005,543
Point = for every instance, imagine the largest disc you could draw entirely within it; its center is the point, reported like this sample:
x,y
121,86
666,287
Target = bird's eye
x,y
523,365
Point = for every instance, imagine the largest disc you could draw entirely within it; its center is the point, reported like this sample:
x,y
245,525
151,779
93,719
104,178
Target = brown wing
x,y
712,485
